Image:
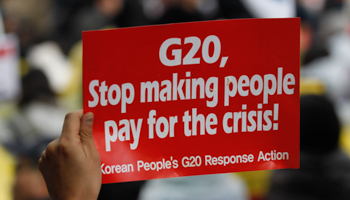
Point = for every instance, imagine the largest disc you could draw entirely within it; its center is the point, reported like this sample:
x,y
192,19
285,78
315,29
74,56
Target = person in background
x,y
37,121
29,183
95,16
324,168
38,116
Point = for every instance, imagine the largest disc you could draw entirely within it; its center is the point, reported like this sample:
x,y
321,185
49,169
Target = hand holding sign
x,y
70,164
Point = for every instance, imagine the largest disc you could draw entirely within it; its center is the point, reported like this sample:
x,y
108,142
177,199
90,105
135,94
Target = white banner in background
x,y
9,68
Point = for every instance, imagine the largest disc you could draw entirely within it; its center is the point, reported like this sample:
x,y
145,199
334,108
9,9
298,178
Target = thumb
x,y
85,132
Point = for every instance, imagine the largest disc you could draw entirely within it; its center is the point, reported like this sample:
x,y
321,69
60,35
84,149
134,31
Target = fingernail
x,y
90,119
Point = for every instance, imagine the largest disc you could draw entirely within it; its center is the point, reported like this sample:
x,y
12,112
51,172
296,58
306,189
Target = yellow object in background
x,y
257,183
311,86
7,174
345,139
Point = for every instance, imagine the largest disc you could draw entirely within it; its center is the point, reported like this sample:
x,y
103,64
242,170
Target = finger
x,y
86,137
40,163
71,125
43,155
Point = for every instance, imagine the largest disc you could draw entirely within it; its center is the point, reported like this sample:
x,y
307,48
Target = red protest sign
x,y
194,98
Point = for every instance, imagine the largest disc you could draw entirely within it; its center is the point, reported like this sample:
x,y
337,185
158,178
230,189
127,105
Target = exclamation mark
x,y
275,116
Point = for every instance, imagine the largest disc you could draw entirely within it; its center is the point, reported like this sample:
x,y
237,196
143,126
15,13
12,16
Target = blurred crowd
x,y
41,80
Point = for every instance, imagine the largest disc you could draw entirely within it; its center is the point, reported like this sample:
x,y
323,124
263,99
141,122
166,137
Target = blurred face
x,y
110,8
188,5
305,38
29,183
314,6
